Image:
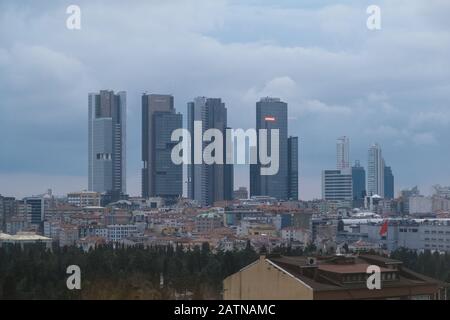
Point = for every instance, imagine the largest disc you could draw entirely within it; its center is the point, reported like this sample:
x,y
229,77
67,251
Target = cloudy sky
x,y
389,86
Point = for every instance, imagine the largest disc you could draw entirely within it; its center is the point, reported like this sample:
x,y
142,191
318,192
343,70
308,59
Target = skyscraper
x,y
7,209
342,153
293,168
160,176
375,172
208,183
337,185
107,142
388,183
358,184
271,113
36,213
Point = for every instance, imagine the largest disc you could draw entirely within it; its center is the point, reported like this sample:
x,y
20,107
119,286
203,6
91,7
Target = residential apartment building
x,y
84,199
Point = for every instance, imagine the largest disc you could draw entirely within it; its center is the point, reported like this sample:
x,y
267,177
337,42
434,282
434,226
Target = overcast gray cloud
x,y
391,86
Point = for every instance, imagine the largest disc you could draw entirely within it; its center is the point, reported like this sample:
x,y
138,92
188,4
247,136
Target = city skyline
x,y
284,52
107,133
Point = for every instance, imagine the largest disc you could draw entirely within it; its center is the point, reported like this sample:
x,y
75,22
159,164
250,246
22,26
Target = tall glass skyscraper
x,y
342,153
293,168
107,142
388,183
375,171
358,184
208,183
271,113
160,176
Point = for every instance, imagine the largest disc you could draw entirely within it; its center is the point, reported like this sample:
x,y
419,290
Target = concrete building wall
x,y
264,281
420,205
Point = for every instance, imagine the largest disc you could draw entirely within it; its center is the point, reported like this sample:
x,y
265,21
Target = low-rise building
x,y
334,277
68,235
208,221
24,238
117,232
240,194
84,199
293,234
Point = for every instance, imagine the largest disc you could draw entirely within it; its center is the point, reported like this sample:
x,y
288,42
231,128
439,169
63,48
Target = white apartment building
x,y
290,234
416,234
68,235
420,205
426,205
52,229
117,232
84,199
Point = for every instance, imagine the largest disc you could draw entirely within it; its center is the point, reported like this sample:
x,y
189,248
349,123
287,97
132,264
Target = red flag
x,y
384,228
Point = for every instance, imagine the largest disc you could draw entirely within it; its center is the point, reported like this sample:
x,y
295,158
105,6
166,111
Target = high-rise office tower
x,y
293,168
337,185
208,183
388,183
36,209
271,113
342,153
375,172
160,176
107,142
358,184
7,209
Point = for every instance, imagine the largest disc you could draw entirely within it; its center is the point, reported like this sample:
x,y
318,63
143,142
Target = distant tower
x,y
342,153
388,183
271,113
208,183
358,185
160,176
107,142
293,168
375,171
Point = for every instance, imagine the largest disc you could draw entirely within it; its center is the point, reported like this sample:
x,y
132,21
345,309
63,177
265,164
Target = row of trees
x,y
34,272
432,264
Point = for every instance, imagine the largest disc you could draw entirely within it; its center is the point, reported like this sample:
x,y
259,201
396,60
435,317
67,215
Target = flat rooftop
x,y
23,236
